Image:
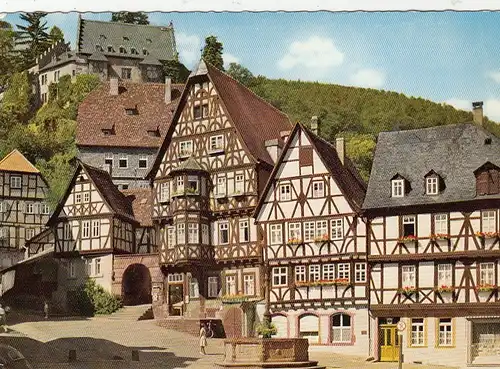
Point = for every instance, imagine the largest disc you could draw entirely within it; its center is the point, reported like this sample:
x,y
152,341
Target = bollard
x,y
72,356
135,355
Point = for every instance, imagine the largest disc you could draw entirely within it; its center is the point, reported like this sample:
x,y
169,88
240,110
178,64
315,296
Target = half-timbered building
x,y
315,244
207,178
23,210
433,204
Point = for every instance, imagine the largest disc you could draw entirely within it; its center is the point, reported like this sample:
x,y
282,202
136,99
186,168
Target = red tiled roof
x,y
142,204
101,110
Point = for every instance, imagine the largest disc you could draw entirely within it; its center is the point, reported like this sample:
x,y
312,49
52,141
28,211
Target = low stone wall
x,y
266,350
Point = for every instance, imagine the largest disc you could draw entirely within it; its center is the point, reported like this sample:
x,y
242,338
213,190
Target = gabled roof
x,y
101,110
116,201
61,59
453,151
142,204
345,175
159,41
17,162
98,56
149,60
190,164
256,120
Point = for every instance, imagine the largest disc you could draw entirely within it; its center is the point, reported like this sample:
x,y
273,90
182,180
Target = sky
x,y
450,57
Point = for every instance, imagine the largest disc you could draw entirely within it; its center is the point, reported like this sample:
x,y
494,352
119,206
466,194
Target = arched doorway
x,y
136,285
233,322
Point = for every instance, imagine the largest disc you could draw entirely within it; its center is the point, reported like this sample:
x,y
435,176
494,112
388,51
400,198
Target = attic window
x,y
122,50
432,185
200,111
148,40
125,38
98,47
487,141
153,132
487,179
133,50
110,49
102,37
108,131
398,188
145,52
131,111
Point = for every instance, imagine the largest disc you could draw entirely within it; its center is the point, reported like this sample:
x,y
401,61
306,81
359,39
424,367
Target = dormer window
x,y
398,188
131,111
125,38
432,185
133,50
107,131
110,49
153,132
98,48
487,179
144,52
122,50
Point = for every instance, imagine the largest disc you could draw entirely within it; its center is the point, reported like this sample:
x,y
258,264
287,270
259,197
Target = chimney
x,y
315,125
477,112
274,149
113,86
340,147
168,90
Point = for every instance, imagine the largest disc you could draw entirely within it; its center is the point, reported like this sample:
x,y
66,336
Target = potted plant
x,y
445,289
234,299
486,287
294,241
266,329
484,235
342,282
191,191
408,238
439,236
322,238
408,290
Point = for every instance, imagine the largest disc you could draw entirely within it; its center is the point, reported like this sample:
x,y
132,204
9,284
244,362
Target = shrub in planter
x,y
266,329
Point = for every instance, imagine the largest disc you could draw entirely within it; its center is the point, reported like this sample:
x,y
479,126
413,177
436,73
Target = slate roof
x,y
61,59
100,110
189,164
17,162
142,204
159,41
454,152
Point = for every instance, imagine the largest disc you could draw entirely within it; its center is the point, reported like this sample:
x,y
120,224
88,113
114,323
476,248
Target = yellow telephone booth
x,y
389,342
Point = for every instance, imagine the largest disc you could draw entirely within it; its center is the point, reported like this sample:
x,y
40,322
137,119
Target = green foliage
x,y
33,34
266,329
175,70
92,299
56,35
240,73
9,61
360,149
130,17
212,52
18,96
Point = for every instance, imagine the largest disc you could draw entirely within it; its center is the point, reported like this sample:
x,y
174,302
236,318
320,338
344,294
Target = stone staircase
x,y
180,324
135,312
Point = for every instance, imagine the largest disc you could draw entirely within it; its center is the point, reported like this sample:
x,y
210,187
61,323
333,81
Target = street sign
x,y
401,326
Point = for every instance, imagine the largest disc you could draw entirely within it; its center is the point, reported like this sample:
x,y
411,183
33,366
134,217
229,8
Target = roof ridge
x,y
469,123
129,24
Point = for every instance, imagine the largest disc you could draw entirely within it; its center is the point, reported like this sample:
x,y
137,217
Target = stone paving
x,y
107,344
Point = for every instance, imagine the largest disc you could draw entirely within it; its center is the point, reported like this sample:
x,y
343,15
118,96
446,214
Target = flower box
x,y
184,153
234,299
322,238
342,282
322,282
439,236
237,193
409,238
445,289
486,287
408,290
485,235
178,193
294,241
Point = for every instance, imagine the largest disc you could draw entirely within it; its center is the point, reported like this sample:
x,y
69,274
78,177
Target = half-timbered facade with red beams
x,y
207,178
315,244
23,210
433,204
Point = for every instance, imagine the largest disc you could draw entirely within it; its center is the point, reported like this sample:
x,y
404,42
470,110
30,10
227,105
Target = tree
x,y
34,36
17,98
240,73
175,70
56,35
212,52
130,17
8,60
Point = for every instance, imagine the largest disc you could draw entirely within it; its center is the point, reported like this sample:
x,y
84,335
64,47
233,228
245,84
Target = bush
x,y
92,299
266,329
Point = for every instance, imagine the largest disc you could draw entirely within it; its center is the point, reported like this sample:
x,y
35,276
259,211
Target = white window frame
x,y
221,185
328,272
205,234
29,233
244,236
445,276
67,231
410,219
344,331
176,277
213,286
142,159
318,189
216,143
193,233
86,229
3,206
171,233
432,185
285,192
294,230
231,288
97,267
239,184
445,332
309,231
86,197
179,184
417,330
4,233
16,182
280,276
186,148
337,229
314,272
398,187
408,275
96,228
194,287
45,209
488,220
487,273
322,228
123,158
108,157
164,191
344,271
441,223
300,273
29,208
249,284
181,233
275,234
360,273
223,226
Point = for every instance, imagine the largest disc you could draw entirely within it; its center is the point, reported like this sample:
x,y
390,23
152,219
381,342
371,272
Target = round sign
x,y
401,326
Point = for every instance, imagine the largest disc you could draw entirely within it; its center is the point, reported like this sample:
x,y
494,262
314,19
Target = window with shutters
x,y
341,328
487,179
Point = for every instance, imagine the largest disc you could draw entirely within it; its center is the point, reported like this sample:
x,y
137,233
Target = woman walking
x,y
203,339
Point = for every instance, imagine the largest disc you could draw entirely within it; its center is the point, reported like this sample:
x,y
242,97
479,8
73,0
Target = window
x,y
244,231
223,233
309,231
171,236
249,285
86,229
4,233
131,111
45,209
86,197
123,162
67,231
96,228
488,221
409,225
164,191
44,97
3,207
322,229
329,272
194,288
176,277
318,189
143,162
441,223
280,276
126,73
123,186
71,269
285,192
73,73
344,271
108,160
44,79
432,185
300,273
29,208
213,286
294,231
309,328
97,266
360,273
78,198
239,184
180,184
231,285
398,189
186,148
445,332
216,143
107,131
408,275
192,184
417,332
145,52
444,275
221,186
193,233
337,229
487,274
205,235
314,273
15,182
276,237
181,233
200,111
111,50
30,233
341,328
88,267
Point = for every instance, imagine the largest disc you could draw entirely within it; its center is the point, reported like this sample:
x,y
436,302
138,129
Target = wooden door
x,y
233,322
389,343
